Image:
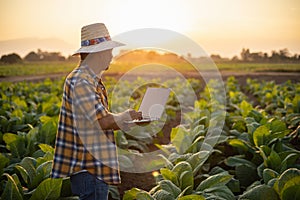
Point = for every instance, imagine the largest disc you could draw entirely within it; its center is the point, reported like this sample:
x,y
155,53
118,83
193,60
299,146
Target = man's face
x,y
105,58
102,59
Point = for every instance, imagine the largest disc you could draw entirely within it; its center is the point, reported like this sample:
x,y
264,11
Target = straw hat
x,y
95,38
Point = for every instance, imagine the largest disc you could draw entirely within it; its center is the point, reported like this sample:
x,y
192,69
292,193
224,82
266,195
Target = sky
x,y
219,26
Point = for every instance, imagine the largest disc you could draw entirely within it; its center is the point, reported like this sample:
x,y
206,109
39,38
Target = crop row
x,y
224,148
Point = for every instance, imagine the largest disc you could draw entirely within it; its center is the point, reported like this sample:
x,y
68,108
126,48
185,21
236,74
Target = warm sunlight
x,y
152,14
223,27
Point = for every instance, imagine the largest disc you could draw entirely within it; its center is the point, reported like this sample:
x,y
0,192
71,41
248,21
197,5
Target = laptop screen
x,y
153,103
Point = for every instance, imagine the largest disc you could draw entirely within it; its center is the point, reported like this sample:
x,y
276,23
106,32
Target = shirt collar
x,y
91,73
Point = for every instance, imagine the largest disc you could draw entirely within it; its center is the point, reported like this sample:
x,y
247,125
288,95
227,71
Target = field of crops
x,y
38,68
245,145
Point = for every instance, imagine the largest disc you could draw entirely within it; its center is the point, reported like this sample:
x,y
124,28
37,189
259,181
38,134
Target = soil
x,y
146,181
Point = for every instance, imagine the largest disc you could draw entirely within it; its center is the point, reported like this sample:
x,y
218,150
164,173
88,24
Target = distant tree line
x,y
35,56
281,56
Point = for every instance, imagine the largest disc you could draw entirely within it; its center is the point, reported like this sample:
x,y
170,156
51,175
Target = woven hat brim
x,y
98,47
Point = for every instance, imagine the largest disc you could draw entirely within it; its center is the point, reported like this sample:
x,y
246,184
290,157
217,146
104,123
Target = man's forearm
x,y
110,121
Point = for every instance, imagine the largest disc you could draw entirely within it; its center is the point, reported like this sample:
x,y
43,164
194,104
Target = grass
x,y
36,68
39,68
268,67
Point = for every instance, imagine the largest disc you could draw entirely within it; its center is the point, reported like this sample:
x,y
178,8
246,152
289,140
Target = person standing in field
x,y
85,149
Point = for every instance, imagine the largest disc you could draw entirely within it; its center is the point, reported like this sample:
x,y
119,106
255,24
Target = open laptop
x,y
153,104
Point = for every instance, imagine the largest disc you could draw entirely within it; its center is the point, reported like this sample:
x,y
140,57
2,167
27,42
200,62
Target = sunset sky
x,y
219,26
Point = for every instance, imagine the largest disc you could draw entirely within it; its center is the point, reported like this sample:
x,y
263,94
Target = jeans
x,y
88,187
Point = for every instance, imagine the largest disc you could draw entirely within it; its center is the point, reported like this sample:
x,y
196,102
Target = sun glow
x,y
137,14
223,27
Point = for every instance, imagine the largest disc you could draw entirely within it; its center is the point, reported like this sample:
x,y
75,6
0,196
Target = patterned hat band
x,y
95,41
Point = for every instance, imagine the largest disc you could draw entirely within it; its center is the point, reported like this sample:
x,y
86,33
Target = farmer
x,y
85,148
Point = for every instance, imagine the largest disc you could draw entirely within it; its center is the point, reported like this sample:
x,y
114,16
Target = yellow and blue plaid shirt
x,y
80,142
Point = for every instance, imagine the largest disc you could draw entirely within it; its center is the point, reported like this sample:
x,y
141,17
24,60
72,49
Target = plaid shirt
x,y
80,142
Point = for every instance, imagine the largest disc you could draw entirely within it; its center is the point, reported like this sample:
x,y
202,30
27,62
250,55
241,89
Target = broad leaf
x,y
261,135
261,192
16,144
3,162
214,181
235,161
291,189
11,190
197,160
162,195
170,187
46,148
246,174
180,139
131,194
220,192
144,195
184,173
169,175
28,163
238,144
284,178
274,161
269,174
48,189
245,108
191,197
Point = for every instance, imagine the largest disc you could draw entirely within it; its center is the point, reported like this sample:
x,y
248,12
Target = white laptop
x,y
153,104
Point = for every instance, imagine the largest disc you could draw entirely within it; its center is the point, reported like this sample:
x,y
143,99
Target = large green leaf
x,y
186,180
274,161
16,144
191,197
48,130
291,190
170,187
31,138
28,163
261,135
269,174
184,173
144,195
46,148
24,173
246,174
277,126
219,192
241,144
245,108
261,192
169,175
11,190
256,115
181,139
125,162
162,195
48,189
296,103
66,190
197,160
42,172
3,162
216,180
286,176
235,161
131,194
